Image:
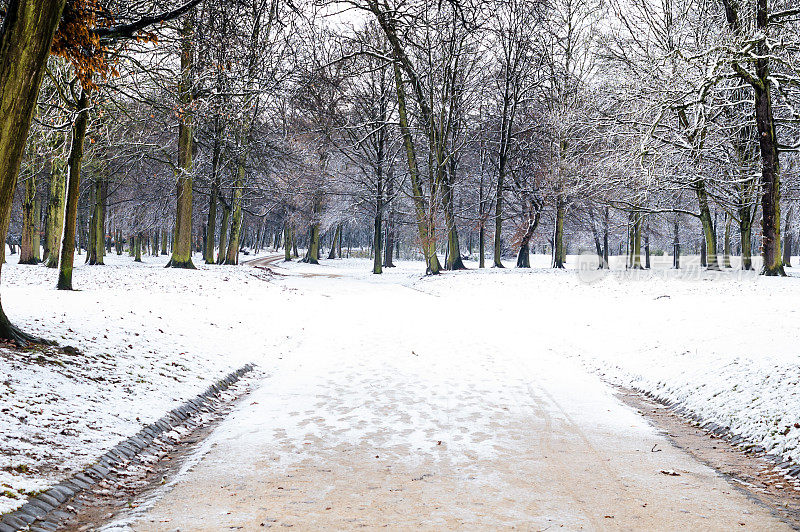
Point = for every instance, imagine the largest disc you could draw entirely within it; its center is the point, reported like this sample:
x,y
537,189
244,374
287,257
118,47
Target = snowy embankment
x,y
148,338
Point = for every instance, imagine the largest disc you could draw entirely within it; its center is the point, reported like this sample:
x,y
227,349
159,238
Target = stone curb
x,y
790,467
33,515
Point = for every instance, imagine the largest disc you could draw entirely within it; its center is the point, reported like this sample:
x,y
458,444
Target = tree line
x,y
199,129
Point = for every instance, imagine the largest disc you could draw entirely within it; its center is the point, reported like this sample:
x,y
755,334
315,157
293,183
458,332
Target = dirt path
x,y
381,422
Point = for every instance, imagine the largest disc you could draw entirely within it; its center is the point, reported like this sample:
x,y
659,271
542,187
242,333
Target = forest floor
x,y
473,399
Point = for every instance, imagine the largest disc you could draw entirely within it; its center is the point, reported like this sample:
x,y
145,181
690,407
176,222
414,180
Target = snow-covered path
x,y
395,408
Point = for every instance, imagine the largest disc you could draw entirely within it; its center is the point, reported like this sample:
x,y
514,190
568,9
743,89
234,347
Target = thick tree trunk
x,y
73,194
182,239
770,162
676,248
25,39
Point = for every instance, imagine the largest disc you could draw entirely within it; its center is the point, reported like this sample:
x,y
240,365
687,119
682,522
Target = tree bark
x,y
726,251
606,265
787,240
558,237
26,255
524,255
709,231
25,39
287,242
768,144
98,224
336,236
232,256
182,240
426,232
211,227
74,163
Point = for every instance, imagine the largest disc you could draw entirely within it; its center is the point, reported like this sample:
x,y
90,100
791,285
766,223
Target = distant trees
x,y
449,129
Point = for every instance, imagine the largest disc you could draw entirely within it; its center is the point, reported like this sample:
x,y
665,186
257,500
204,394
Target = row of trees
x,y
507,125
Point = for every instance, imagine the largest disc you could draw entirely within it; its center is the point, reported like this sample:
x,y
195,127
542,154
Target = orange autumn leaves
x,y
77,42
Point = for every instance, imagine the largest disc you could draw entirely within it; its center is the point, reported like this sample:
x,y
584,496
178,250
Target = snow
x,y
723,344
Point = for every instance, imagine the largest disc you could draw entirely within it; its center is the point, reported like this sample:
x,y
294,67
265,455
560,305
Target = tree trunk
x,y
787,240
606,265
703,252
336,236
636,241
232,257
498,222
137,247
287,242
426,231
709,231
26,255
73,193
25,40
768,144
312,253
726,246
453,261
37,229
558,237
676,248
98,224
524,255
55,212
182,240
388,261
377,242
211,228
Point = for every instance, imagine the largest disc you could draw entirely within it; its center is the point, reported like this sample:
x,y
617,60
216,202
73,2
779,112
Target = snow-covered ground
x,y
721,343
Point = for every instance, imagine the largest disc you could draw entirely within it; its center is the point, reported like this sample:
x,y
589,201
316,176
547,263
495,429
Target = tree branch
x,y
781,14
747,76
129,31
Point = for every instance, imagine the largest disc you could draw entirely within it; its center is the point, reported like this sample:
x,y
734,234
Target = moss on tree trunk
x,y
182,241
74,163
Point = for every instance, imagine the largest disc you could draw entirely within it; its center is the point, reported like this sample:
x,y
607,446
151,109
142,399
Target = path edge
x,y
33,514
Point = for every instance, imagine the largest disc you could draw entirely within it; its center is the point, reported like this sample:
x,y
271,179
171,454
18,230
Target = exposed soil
x,y
135,483
759,479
